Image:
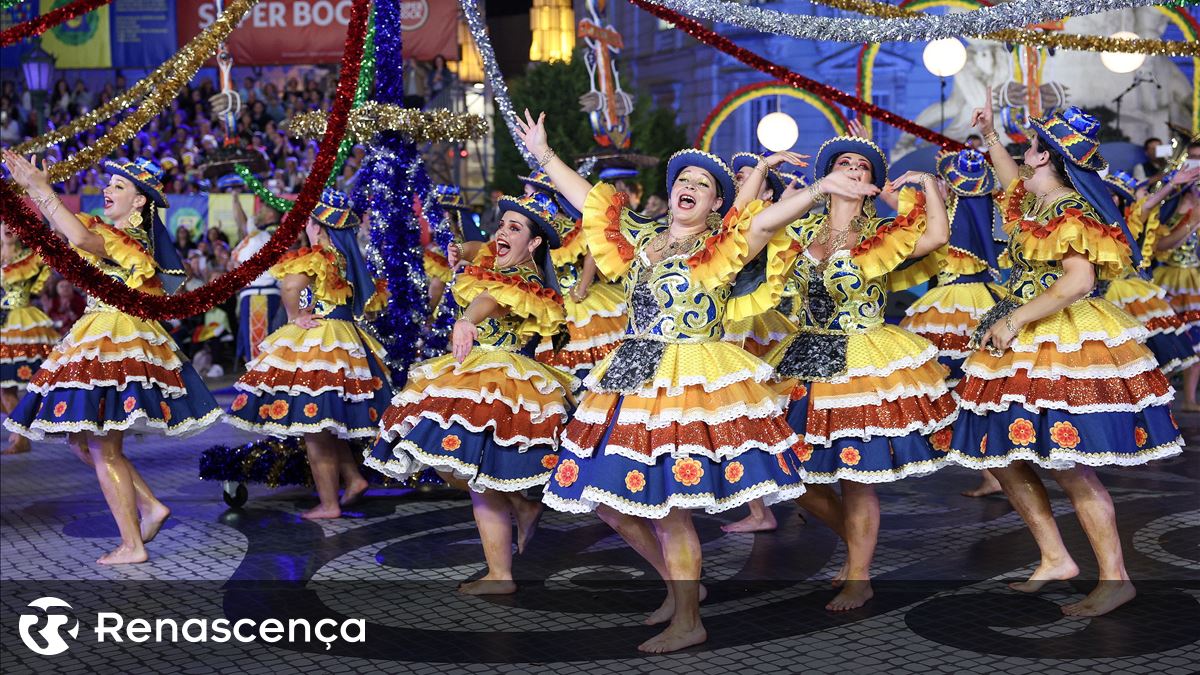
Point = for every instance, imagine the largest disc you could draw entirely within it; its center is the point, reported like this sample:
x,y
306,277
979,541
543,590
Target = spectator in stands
x,y
64,306
1152,169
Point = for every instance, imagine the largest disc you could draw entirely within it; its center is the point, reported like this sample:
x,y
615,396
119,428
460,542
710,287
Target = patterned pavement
x,y
941,604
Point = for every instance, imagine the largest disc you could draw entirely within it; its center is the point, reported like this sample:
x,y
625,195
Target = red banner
x,y
286,32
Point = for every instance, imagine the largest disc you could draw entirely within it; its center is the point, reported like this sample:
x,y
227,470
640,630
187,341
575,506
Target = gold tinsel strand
x,y
1083,43
191,57
373,117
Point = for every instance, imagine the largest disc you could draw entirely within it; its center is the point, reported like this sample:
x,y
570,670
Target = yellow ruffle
x,y
766,328
28,318
1087,319
540,308
330,335
121,249
725,252
893,242
712,365
1103,245
380,299
1144,226
320,263
574,246
436,266
30,266
494,370
1178,280
603,299
609,239
920,271
972,299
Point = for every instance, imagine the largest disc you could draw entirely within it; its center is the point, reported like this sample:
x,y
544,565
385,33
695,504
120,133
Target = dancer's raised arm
x,y
573,187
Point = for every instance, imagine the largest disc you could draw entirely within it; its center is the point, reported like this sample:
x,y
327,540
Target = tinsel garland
x,y
275,462
436,340
35,27
6,4
696,30
66,261
197,52
254,185
1013,14
1083,43
475,23
373,117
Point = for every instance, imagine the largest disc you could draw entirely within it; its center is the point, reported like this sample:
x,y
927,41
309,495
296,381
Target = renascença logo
x,y
50,635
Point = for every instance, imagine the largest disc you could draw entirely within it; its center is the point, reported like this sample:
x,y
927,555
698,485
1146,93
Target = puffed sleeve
x,y
540,308
123,250
1077,227
610,232
320,264
894,239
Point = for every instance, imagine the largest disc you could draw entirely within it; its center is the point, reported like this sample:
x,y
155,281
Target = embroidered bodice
x,y
21,279
532,309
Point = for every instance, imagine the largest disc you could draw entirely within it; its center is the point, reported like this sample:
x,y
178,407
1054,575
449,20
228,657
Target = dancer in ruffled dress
x,y
1177,250
27,334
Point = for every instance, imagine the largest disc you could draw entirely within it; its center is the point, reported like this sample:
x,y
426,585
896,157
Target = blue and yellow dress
x,y
494,419
115,371
1074,386
27,334
1178,272
864,393
674,417
306,380
1168,335
595,325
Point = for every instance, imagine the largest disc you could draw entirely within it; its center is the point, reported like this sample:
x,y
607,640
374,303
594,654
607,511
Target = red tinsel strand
x,y
698,31
35,27
59,255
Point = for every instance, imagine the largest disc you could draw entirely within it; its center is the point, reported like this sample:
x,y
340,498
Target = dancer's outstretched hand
x,y
983,118
844,186
462,339
533,133
26,172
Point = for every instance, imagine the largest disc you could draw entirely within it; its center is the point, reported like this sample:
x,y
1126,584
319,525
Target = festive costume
x,y
259,303
331,377
674,417
494,419
1076,385
948,313
115,371
1178,272
27,334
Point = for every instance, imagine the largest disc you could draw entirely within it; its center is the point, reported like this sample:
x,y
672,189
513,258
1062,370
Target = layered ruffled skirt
x,y
703,432
872,423
760,333
112,372
328,378
1182,285
596,326
493,420
1169,338
1076,386
947,316
26,337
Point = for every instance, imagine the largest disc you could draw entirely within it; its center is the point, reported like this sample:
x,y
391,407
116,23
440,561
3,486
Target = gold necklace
x,y
1042,204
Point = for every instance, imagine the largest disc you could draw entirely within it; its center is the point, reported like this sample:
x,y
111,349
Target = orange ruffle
x,y
606,241
541,307
509,426
893,242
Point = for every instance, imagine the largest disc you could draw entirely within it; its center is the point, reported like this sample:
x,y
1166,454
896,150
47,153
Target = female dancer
x,y
115,372
320,376
674,419
1178,252
27,335
1062,380
865,394
487,416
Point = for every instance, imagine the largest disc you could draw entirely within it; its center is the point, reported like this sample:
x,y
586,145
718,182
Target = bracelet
x,y
818,197
1008,324
991,138
546,157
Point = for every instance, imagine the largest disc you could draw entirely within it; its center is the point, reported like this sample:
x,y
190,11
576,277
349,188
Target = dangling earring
x,y
1025,172
135,219
713,220
869,208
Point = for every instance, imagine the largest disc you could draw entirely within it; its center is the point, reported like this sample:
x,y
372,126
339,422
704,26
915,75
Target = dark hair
x,y
974,136
1056,159
1153,139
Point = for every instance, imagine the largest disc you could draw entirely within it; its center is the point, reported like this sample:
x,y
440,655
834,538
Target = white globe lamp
x,y
778,131
1121,62
945,57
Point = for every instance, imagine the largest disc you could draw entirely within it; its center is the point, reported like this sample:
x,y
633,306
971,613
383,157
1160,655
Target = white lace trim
x,y
537,411
1058,371
912,470
166,390
944,329
522,442
718,454
658,386
291,389
591,342
19,385
615,313
937,307
1176,365
1136,333
137,418
357,348
268,362
910,362
1006,401
924,428
661,418
410,458
931,391
591,497
8,338
80,355
273,429
533,373
1062,458
770,338
155,339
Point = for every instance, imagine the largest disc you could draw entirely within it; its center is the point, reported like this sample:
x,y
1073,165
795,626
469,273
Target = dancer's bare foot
x,y
152,521
673,639
667,610
17,445
1045,573
1190,406
528,514
753,523
855,593
1104,598
989,486
322,513
487,586
840,578
124,555
353,492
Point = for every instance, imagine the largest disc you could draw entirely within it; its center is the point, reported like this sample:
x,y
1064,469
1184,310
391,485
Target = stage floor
x,y
941,604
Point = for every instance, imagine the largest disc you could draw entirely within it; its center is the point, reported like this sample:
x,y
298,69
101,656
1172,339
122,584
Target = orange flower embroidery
x,y
688,471
1140,436
940,440
451,443
567,474
1065,434
130,404
983,445
310,410
783,463
279,409
804,452
376,383
549,461
60,409
734,472
264,411
166,410
1020,432
239,402
850,456
799,392
24,373
635,481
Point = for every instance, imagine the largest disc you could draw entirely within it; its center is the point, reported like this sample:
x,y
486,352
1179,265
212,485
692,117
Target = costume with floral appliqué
x,y
1178,272
864,393
1076,385
115,371
597,323
1169,338
674,417
27,334
307,380
494,419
